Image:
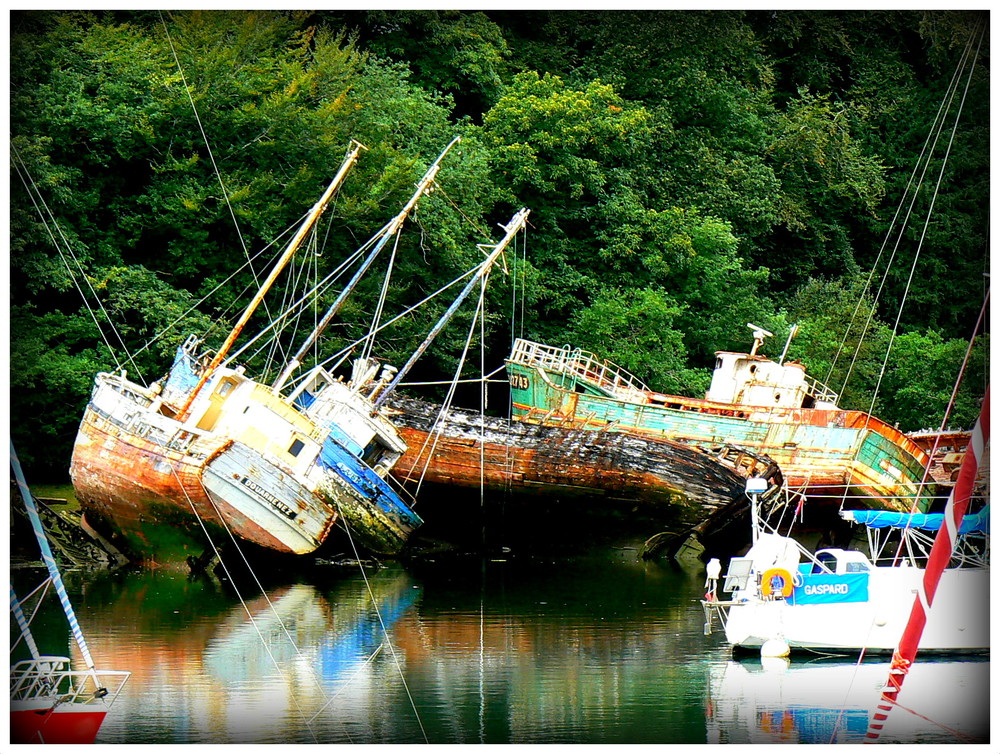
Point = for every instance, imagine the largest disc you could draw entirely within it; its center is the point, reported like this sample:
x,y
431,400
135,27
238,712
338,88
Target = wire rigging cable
x,y
927,221
922,165
208,146
933,132
49,221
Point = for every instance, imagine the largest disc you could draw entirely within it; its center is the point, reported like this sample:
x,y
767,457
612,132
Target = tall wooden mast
x,y
385,234
307,225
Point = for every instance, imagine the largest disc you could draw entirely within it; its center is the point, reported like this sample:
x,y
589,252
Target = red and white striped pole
x,y
937,561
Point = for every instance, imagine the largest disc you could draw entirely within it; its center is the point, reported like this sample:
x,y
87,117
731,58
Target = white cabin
x,y
750,380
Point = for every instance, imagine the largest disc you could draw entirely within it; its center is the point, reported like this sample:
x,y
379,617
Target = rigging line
x,y
33,191
508,481
956,733
899,313
316,291
936,129
484,388
927,221
475,226
38,604
953,398
366,350
267,598
438,427
378,613
208,295
232,583
347,683
939,116
208,147
944,424
298,273
524,274
392,321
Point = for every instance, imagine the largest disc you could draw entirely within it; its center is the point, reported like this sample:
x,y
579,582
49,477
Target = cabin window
x,y
777,397
753,369
374,452
225,388
856,567
827,563
296,447
718,363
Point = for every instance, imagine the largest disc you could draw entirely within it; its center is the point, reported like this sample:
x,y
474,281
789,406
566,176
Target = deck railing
x,y
51,676
577,363
820,391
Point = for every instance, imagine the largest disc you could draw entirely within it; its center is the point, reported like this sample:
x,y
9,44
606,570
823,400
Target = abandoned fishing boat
x,y
50,702
679,484
210,453
766,406
784,598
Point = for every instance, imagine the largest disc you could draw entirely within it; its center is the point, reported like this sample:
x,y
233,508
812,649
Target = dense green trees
x,y
687,172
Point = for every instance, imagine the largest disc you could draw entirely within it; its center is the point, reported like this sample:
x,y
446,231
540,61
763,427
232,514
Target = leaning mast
x,y
307,225
391,229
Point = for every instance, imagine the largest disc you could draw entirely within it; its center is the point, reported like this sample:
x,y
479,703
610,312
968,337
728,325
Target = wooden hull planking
x,y
473,450
156,498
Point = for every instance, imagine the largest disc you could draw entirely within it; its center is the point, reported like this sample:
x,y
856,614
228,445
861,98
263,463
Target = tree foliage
x,y
688,173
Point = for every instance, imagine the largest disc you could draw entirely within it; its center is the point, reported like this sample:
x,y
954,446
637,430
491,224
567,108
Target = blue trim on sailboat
x,y
336,458
977,522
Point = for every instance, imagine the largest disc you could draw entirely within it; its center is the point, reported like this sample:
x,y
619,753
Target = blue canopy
x,y
976,522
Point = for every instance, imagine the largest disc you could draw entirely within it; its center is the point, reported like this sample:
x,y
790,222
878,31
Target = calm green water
x,y
597,649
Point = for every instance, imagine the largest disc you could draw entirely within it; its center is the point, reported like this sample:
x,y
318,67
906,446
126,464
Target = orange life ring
x,y
767,586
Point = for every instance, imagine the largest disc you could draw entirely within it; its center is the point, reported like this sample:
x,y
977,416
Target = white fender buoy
x,y
775,648
774,664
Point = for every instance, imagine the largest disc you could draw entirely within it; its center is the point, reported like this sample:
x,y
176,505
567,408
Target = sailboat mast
x,y
48,558
387,232
938,559
293,246
512,228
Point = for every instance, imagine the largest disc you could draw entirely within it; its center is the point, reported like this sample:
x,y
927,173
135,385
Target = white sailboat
x,y
784,598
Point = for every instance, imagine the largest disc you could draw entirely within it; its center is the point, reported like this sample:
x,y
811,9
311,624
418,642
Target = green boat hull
x,y
832,453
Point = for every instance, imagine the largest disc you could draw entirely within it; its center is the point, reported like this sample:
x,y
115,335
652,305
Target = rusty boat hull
x,y
164,504
164,490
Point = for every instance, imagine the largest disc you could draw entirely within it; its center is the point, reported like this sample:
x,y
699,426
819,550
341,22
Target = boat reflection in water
x,y
597,649
774,700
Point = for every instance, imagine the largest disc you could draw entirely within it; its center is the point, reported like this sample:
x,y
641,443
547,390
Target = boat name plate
x,y
264,494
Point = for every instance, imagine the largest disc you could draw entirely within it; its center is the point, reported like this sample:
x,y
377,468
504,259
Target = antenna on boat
x,y
423,187
759,333
755,486
792,333
511,229
293,245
